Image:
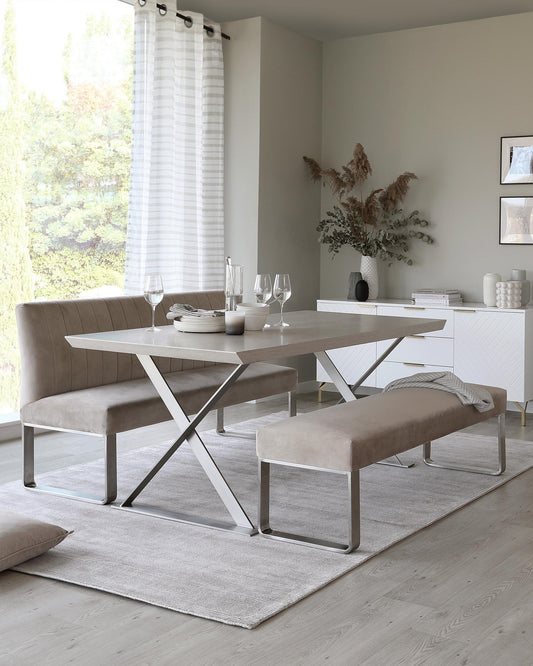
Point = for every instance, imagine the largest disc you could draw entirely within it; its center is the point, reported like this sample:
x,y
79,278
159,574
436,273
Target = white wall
x,y
242,77
434,101
273,118
291,98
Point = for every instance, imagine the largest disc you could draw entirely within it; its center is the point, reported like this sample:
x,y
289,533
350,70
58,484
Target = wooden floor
x,y
458,592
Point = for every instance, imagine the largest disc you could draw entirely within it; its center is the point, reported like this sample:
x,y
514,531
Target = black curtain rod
x,y
188,21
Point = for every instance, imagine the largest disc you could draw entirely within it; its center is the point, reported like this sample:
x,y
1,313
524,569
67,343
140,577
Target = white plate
x,y
215,326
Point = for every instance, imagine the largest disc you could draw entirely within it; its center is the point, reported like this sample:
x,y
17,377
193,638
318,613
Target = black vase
x,y
361,290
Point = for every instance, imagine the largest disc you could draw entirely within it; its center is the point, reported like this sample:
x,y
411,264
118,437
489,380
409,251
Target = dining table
x,y
308,332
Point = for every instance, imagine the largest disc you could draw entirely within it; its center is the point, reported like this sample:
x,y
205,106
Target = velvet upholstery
x,y
51,366
353,435
23,537
108,392
114,408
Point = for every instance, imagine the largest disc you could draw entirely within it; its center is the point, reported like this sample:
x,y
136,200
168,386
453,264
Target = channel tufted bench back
x,y
49,365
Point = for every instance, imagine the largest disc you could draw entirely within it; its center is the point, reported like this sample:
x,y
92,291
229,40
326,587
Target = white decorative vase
x,y
520,275
489,288
369,271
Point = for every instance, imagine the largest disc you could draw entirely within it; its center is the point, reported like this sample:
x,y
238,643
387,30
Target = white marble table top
x,y
309,331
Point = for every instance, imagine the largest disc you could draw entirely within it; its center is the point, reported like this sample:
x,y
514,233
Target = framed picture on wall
x,y
516,160
516,221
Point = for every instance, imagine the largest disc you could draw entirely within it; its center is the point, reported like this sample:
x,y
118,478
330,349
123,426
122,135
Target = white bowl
x,y
254,307
255,322
255,315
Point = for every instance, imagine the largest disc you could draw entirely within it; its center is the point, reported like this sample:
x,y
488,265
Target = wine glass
x,y
282,293
153,294
263,288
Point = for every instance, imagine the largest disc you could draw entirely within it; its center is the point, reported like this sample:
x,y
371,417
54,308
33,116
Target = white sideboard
x,y
479,344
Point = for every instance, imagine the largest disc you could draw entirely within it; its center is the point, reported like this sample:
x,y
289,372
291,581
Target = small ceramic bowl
x,y
255,315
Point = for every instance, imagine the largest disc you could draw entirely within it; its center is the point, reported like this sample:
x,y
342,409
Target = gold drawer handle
x,y
417,365
473,311
408,307
361,305
418,337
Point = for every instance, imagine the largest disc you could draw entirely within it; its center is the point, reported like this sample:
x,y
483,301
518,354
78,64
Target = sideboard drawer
x,y
388,371
421,349
350,307
422,313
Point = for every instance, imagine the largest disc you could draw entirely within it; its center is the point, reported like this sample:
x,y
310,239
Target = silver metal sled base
x,y
110,464
353,520
221,430
475,470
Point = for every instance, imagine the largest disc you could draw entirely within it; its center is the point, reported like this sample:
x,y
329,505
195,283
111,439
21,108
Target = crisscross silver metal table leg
x,y
348,391
242,523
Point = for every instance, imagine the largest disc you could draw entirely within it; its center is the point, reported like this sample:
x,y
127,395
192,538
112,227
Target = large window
x,y
65,135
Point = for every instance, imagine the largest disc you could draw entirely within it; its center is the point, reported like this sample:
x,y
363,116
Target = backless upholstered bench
x,y
105,393
347,437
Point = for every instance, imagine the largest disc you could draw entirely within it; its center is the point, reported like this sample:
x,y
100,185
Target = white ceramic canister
x,y
520,275
489,288
508,294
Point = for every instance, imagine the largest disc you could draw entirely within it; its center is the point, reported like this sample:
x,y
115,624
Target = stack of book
x,y
437,297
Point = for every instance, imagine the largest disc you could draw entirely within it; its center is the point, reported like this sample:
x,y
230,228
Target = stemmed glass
x,y
263,288
153,294
282,293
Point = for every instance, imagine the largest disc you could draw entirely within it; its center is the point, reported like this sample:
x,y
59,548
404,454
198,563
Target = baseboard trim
x,y
9,430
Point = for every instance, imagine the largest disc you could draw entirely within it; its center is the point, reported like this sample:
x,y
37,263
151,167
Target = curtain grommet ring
x,y
162,9
142,3
188,22
210,31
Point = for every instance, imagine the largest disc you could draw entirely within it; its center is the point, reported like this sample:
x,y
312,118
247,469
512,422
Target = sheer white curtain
x,y
175,218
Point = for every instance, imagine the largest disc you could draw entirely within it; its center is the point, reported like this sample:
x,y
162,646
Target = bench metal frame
x,y
110,460
354,519
110,463
475,470
221,430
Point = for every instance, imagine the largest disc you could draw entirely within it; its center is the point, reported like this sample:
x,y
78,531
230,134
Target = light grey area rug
x,y
236,579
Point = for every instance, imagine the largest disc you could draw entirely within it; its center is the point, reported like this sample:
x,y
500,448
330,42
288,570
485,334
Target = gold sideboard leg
x,y
523,411
320,388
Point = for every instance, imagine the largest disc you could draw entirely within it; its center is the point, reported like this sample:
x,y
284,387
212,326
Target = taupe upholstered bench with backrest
x,y
105,393
350,436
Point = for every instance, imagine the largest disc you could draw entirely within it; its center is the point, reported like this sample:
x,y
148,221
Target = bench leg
x,y
475,470
220,421
353,521
291,406
110,462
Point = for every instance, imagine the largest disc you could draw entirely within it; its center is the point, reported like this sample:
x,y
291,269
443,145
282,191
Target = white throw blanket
x,y
468,394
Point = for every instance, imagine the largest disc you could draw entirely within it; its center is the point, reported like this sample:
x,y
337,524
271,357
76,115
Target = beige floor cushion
x,y
22,538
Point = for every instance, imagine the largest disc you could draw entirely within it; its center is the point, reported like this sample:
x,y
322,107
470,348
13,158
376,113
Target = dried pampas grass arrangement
x,y
374,225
